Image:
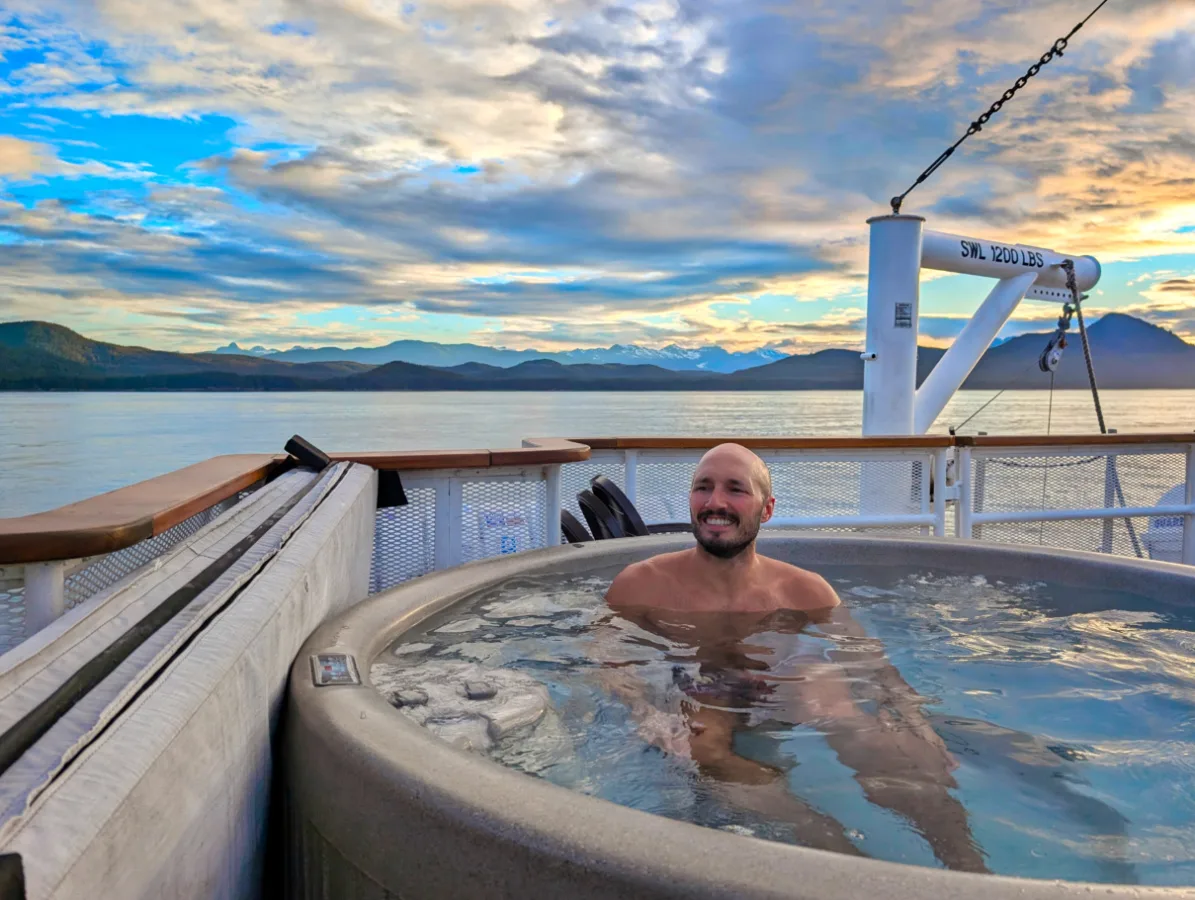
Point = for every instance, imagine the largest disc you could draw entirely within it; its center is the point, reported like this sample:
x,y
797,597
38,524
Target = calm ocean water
x,y
59,448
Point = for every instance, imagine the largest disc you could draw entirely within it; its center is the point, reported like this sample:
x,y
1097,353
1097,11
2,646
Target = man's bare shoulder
x,y
799,588
630,585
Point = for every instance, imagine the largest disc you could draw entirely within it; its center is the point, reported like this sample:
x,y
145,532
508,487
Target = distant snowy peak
x,y
245,351
429,353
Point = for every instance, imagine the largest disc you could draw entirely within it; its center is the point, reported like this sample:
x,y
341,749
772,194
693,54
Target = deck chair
x,y
611,494
602,520
623,510
572,530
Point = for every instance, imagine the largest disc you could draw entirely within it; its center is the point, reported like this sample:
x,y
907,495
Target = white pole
x,y
1188,556
963,480
552,535
893,292
45,591
448,523
890,361
973,341
631,467
940,491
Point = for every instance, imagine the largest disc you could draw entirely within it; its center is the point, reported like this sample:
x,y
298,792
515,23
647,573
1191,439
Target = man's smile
x,y
716,520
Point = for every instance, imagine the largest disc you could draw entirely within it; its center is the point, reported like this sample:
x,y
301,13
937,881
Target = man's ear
x,y
768,508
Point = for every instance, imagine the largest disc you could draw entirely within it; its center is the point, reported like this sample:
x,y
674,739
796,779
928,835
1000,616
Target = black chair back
x,y
618,502
571,529
601,519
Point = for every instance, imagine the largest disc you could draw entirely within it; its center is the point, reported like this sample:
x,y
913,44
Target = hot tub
x,y
378,807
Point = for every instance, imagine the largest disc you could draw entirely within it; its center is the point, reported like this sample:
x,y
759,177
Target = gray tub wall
x,y
380,808
172,802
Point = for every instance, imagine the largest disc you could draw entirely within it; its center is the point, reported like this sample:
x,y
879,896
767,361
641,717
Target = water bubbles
x,y
742,830
411,649
470,624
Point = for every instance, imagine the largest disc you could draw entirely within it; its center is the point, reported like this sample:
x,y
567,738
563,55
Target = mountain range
x,y
1127,352
429,353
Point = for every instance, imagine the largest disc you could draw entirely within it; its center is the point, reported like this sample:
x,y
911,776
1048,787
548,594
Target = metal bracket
x,y
390,489
307,454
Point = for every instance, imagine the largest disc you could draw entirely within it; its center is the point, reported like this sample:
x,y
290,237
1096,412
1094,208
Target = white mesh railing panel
x,y
107,570
499,517
111,568
663,489
1057,481
12,617
804,487
404,540
1106,536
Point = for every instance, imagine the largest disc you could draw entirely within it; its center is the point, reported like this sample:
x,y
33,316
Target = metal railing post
x,y
45,593
939,458
631,468
448,523
1109,503
552,535
964,480
978,492
1188,556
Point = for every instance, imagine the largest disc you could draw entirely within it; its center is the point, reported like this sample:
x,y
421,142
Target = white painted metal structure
x,y
460,515
899,249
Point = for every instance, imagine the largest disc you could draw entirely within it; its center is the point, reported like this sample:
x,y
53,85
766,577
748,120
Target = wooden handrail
x,y
888,442
128,515
917,442
123,517
536,451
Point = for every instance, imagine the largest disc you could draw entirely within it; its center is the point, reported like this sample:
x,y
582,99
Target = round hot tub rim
x,y
525,833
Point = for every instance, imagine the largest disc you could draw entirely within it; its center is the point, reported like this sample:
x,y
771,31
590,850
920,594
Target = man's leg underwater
x,y
757,787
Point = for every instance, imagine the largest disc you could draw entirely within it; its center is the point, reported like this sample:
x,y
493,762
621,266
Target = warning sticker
x,y
904,315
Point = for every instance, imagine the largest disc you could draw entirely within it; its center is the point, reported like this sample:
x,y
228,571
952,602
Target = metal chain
x,y
1064,465
977,125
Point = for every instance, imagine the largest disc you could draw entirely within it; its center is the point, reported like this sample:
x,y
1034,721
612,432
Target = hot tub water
x,y
1043,730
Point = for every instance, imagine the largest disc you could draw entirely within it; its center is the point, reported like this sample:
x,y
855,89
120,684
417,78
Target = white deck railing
x,y
1134,499
1120,494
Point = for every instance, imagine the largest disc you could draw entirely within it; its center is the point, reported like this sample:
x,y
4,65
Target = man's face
x,y
727,505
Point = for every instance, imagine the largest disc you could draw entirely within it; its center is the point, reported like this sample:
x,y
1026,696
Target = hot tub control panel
x,y
334,668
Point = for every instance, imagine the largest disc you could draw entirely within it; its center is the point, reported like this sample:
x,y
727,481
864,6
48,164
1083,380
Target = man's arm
x,y
810,592
628,586
665,730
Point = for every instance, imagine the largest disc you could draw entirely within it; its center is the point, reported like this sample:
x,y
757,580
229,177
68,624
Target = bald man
x,y
739,617
729,500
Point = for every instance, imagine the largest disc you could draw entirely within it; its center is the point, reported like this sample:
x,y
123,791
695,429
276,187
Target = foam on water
x,y
1050,727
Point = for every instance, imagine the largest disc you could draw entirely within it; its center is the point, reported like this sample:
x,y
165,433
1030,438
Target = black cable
x,y
1099,410
981,409
977,125
1095,391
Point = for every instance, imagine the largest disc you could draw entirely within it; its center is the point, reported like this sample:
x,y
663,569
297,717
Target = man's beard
x,y
732,545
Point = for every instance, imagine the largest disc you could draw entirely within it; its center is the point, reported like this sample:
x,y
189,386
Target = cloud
x,y
22,159
637,170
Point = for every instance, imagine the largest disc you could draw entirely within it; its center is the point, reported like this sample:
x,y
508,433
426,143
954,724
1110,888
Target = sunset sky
x,y
184,173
